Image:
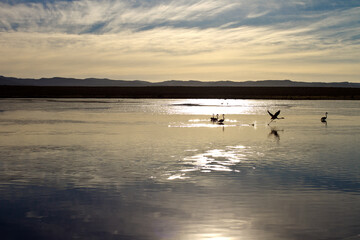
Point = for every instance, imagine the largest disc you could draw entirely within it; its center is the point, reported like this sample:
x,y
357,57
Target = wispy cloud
x,y
109,15
159,39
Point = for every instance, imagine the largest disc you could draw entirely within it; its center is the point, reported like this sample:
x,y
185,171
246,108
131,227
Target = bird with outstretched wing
x,y
274,116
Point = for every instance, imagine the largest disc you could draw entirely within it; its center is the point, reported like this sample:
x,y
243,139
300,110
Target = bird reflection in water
x,y
275,133
325,124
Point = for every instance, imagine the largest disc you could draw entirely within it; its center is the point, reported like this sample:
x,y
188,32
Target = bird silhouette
x,y
274,116
221,121
323,119
213,118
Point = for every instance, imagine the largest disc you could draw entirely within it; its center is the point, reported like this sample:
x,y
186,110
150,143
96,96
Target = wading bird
x,y
323,119
213,118
274,116
221,121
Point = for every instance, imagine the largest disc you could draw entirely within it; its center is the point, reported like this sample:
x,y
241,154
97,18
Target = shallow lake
x,y
160,169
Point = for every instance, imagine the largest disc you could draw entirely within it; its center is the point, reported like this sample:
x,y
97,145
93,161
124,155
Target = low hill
x,y
95,82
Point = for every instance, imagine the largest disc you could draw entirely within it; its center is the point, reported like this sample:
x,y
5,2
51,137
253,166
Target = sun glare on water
x,y
212,106
213,236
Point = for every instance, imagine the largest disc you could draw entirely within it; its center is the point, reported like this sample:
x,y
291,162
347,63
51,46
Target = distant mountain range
x,y
95,82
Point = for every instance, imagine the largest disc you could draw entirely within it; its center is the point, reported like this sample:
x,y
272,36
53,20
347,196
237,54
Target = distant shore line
x,y
294,93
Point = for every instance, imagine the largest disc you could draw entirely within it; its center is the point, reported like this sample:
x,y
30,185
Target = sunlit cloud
x,y
106,16
161,40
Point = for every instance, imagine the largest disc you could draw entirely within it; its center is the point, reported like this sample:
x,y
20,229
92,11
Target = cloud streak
x,y
160,40
109,16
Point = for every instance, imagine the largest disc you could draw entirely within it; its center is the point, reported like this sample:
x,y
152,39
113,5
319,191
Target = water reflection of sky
x,y
212,160
159,169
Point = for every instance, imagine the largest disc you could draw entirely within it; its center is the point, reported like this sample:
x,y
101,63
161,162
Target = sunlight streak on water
x,y
214,160
214,106
212,236
195,123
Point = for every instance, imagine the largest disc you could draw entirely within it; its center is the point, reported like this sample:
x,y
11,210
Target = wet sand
x,y
295,93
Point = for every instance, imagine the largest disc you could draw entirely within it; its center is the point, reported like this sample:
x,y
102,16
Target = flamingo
x,y
274,116
323,119
221,121
213,118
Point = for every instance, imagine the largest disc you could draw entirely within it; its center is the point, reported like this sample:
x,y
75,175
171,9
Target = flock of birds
x,y
217,120
273,117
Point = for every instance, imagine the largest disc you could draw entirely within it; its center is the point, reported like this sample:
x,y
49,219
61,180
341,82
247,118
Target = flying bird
x,y
274,116
323,119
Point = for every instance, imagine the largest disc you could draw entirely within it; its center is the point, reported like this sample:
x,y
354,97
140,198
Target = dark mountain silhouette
x,y
95,82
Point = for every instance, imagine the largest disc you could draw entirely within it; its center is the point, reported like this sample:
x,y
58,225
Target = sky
x,y
157,40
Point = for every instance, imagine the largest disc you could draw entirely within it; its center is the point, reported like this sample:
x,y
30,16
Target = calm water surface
x,y
159,169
